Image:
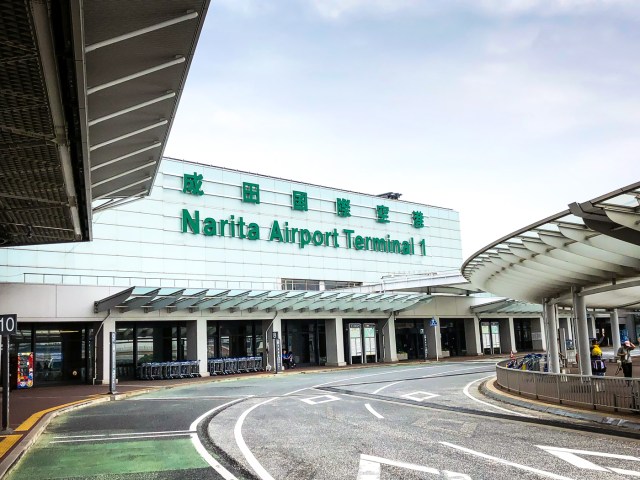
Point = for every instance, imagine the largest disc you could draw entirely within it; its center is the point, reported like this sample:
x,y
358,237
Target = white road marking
x,y
382,388
128,434
432,375
569,455
224,473
622,471
370,408
315,401
506,462
237,431
207,397
420,396
370,468
248,455
122,437
466,392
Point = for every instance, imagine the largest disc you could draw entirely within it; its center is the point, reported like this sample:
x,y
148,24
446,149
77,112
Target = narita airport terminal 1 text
x,y
283,233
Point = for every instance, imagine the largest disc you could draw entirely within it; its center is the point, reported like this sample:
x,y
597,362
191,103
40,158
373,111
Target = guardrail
x,y
606,393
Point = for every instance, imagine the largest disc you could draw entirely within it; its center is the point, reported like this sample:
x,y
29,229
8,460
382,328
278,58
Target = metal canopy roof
x,y
88,92
593,245
507,306
172,299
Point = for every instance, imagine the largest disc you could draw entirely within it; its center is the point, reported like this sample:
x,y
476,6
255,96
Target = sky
x,y
504,110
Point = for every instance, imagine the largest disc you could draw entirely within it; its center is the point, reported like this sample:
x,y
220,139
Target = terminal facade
x,y
216,261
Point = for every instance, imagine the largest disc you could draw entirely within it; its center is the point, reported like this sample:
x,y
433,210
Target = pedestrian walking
x,y
624,356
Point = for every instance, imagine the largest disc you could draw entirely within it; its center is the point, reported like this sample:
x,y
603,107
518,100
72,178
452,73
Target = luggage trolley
x,y
251,364
185,369
258,364
216,366
194,368
242,365
230,365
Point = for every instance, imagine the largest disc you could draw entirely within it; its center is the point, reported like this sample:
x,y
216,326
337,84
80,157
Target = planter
x,y
403,356
446,353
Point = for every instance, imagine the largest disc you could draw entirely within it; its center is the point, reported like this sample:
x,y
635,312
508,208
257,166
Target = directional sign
x,y
8,324
433,323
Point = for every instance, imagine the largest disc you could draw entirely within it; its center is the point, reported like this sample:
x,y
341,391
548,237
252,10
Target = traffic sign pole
x,y
5,384
8,327
434,324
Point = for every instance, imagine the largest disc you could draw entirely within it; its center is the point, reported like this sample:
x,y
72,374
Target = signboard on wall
x,y
282,231
355,339
370,339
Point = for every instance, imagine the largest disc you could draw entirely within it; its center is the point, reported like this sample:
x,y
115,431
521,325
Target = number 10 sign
x,y
8,324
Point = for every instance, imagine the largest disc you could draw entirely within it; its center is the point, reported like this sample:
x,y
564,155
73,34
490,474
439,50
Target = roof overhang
x,y
592,248
145,300
88,93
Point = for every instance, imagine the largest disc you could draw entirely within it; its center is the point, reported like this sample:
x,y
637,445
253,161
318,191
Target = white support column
x,y
543,334
615,330
335,342
197,343
512,335
582,333
552,325
389,332
592,326
102,353
268,327
434,338
472,336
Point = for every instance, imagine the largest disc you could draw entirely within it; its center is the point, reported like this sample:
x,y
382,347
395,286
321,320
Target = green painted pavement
x,y
88,459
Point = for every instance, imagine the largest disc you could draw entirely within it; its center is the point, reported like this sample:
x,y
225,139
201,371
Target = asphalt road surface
x,y
389,422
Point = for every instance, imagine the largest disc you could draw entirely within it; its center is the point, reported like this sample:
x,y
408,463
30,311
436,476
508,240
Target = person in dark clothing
x,y
624,355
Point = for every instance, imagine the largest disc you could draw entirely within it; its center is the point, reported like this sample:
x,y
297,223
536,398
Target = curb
x,y
576,415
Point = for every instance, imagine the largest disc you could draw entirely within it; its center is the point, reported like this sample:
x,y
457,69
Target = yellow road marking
x,y
8,442
33,419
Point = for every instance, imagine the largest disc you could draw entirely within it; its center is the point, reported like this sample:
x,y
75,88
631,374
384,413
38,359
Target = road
x,y
409,422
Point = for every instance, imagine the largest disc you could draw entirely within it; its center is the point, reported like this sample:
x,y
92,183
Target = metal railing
x,y
605,393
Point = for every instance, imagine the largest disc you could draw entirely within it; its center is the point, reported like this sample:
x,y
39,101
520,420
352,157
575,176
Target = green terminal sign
x,y
303,237
237,227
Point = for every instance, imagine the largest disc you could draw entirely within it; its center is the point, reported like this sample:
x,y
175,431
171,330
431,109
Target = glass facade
x,y
306,339
63,352
141,342
452,336
234,339
409,340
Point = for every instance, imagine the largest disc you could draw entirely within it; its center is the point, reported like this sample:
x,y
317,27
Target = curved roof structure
x,y
594,245
88,92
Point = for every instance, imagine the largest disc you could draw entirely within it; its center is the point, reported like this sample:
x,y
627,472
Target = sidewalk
x,y
631,421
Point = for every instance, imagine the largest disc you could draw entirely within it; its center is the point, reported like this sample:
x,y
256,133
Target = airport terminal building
x,y
215,261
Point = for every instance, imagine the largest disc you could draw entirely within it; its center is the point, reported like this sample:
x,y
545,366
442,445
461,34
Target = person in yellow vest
x,y
598,367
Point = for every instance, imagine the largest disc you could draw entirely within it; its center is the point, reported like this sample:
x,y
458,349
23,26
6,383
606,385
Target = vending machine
x,y
25,370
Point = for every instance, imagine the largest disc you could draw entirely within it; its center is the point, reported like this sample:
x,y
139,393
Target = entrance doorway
x,y
306,339
452,336
522,333
409,340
